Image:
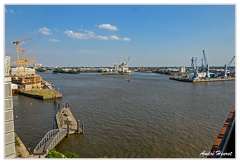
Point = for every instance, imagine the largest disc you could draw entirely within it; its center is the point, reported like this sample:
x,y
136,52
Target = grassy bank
x,y
43,94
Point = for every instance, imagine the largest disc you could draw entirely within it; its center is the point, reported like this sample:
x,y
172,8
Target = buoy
x,y
16,116
30,103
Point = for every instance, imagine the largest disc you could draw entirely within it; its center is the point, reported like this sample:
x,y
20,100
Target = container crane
x,y
206,64
17,54
194,65
226,67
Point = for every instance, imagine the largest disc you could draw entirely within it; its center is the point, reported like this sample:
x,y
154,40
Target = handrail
x,y
46,138
61,134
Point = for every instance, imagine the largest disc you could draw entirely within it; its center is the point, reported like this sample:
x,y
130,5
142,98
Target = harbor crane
x,y
126,63
226,67
25,60
17,54
194,65
206,66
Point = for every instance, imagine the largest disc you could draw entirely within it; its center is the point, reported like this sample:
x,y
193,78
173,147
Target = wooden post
x,y
68,129
78,126
58,106
82,127
53,125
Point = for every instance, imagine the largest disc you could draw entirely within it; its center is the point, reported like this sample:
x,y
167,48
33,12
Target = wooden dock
x,y
201,80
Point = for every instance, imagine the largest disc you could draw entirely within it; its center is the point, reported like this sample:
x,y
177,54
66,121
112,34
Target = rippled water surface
x,y
148,117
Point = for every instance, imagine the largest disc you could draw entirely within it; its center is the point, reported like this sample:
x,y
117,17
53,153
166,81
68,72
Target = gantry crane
x,y
17,54
226,67
206,65
195,71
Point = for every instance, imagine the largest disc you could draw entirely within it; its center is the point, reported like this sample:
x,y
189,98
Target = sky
x,y
101,35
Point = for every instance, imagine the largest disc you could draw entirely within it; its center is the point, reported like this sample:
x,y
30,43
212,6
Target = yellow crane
x,y
35,66
17,55
26,60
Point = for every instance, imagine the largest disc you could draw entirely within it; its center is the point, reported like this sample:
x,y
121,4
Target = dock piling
x,y
58,106
78,126
82,127
68,129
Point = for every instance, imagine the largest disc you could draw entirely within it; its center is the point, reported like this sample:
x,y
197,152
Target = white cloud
x,y
79,35
108,27
44,31
113,37
9,11
126,39
92,35
102,37
54,40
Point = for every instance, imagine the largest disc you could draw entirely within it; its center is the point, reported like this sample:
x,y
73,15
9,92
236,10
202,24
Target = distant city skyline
x,y
101,35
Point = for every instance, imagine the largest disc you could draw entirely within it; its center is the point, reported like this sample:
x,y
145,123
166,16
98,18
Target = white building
x,y
182,69
9,121
7,66
22,71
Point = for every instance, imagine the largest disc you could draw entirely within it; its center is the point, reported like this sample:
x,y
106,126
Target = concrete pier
x,y
201,80
65,116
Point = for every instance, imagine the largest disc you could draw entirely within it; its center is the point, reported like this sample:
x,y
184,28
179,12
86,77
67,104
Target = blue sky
x,y
101,35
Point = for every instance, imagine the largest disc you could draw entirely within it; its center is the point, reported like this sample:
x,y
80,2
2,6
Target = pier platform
x,y
201,80
64,117
42,94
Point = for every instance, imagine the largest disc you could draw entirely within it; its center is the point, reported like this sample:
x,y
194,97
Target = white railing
x,y
56,140
56,134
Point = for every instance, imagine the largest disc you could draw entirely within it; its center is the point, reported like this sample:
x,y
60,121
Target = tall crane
x,y
194,65
35,66
25,60
126,63
17,55
206,65
226,67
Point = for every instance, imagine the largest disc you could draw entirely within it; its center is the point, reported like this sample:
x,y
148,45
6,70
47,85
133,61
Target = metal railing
x,y
53,137
61,134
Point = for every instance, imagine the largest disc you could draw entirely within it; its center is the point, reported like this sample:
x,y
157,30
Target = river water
x,y
143,115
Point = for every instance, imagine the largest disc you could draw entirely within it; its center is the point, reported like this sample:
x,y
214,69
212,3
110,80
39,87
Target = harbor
x,y
138,128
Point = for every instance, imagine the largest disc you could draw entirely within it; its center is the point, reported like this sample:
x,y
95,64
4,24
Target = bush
x,y
71,155
17,143
54,154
